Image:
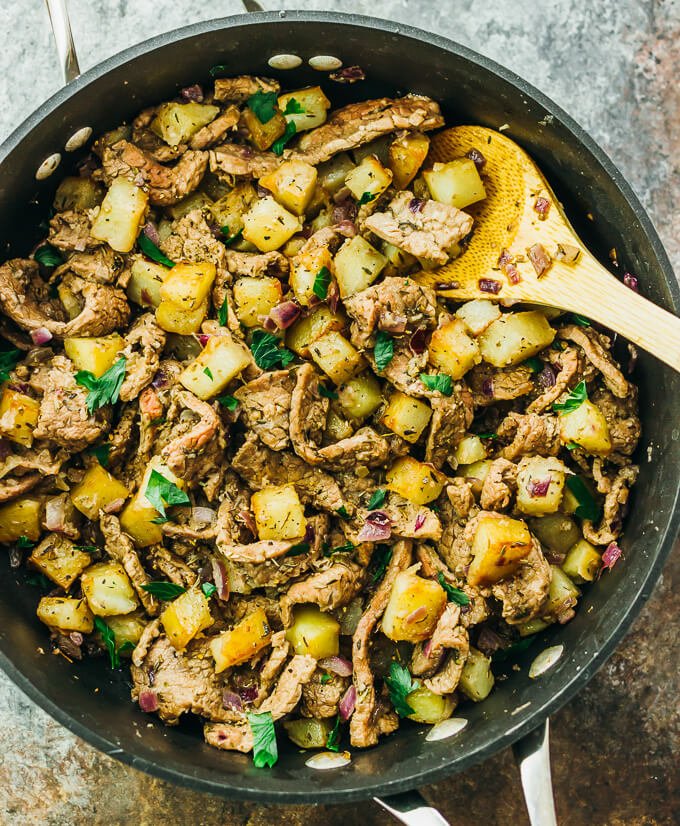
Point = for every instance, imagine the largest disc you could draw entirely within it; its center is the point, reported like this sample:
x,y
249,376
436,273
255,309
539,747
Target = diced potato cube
x,y
338,359
175,123
313,105
369,177
78,194
587,427
292,184
120,215
515,337
262,135
144,286
196,200
138,515
406,416
185,617
469,450
128,629
414,607
452,350
278,513
556,531
562,595
476,474
21,517
478,314
308,732
228,210
332,173
400,260
540,484
59,559
223,358
94,354
307,330
337,427
456,183
357,265
174,319
242,642
406,156
187,285
108,590
313,632
499,545
416,481
72,303
18,416
97,489
583,562
476,681
429,707
66,614
361,396
303,272
255,298
268,225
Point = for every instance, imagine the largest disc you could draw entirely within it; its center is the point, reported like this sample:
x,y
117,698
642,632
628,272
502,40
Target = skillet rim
x,y
527,720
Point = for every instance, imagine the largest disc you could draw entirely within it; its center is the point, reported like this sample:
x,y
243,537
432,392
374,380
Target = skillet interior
x,y
471,89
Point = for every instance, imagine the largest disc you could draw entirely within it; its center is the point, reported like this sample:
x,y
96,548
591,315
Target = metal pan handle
x,y
63,38
532,754
412,809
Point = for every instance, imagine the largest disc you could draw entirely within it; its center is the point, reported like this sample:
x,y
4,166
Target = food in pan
x,y
248,456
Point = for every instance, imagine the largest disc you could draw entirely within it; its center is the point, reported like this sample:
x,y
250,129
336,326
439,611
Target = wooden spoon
x,y
520,218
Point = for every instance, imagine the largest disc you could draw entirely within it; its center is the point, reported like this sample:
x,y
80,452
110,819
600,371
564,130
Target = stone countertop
x,y
614,66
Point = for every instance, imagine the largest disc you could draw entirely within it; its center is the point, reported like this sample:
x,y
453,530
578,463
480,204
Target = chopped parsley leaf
x,y
342,512
400,684
208,589
101,453
106,388
322,281
581,320
453,594
229,402
326,393
263,105
383,353
341,549
377,499
439,381
88,549
293,107
151,251
48,256
8,361
299,549
208,373
534,364
162,493
109,638
230,239
267,351
574,400
325,678
333,739
222,313
279,144
265,750
587,508
164,590
366,198
382,556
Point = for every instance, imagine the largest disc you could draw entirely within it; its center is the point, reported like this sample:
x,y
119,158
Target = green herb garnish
x,y
341,549
299,549
39,581
220,69
229,402
534,364
88,549
377,499
333,739
106,388
366,198
24,543
109,638
208,373
279,144
326,393
101,453
574,400
267,351
322,281
342,512
48,256
164,590
383,352
151,251
453,594
265,750
293,107
8,361
487,435
516,648
382,557
263,105
572,446
208,589
325,678
582,321
587,508
438,381
223,312
230,239
162,493
400,684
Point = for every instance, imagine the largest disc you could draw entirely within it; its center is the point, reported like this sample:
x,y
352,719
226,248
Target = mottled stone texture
x,y
614,66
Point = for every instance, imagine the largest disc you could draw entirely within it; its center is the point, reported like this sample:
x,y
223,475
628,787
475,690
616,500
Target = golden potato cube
x,y
255,298
120,215
196,200
94,354
307,330
357,265
70,300
562,594
556,531
242,642
292,184
278,513
309,732
127,629
369,177
429,707
337,427
476,474
268,225
406,416
478,314
228,210
333,172
314,633
499,545
175,123
18,416
313,105
303,272
144,286
108,590
477,680
78,193
469,450
400,260
220,361
413,609
452,350
587,427
540,485
338,359
406,156
515,337
416,481
66,614
456,183
174,319
187,285
262,135
361,396
583,562
185,617
137,521
21,517
59,559
97,489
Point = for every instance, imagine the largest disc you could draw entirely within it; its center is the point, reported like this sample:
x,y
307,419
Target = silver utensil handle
x,y
532,754
412,809
63,37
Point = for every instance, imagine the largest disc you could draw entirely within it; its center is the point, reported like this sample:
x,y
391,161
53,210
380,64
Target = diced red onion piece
x,y
203,339
487,387
203,516
55,514
193,93
310,533
539,258
151,232
148,701
418,341
631,281
345,209
539,488
542,207
415,616
248,520
610,557
249,693
420,521
231,701
333,297
40,336
554,558
336,665
504,258
546,378
489,641
346,228
285,314
220,578
268,323
416,205
489,285
477,158
348,74
447,285
160,380
347,703
512,273
377,527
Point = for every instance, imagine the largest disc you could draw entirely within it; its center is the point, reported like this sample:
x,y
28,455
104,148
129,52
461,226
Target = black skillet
x,y
94,703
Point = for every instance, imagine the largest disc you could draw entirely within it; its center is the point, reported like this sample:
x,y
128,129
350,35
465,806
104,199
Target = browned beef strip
x,y
265,407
